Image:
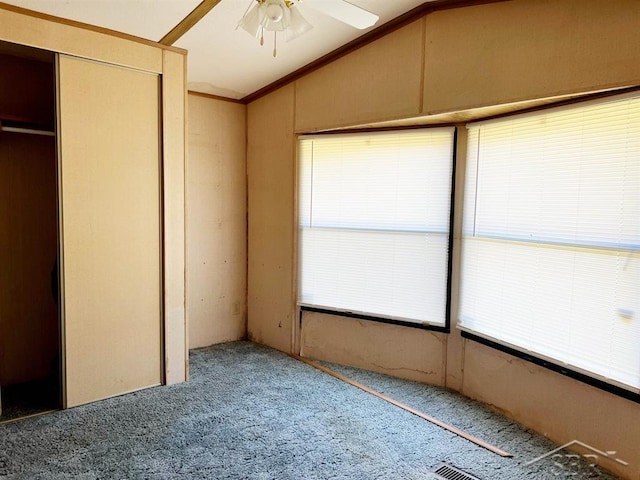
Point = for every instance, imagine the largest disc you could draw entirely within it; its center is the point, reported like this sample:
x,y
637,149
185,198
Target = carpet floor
x,y
250,412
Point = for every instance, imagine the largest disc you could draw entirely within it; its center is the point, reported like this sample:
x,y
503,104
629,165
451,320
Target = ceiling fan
x,y
283,16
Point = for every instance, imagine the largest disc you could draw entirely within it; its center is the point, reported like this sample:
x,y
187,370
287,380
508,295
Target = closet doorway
x,y
30,345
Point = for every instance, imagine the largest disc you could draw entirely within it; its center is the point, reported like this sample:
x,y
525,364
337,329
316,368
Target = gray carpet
x,y
250,412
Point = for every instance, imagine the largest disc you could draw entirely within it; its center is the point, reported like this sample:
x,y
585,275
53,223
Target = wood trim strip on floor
x,y
424,416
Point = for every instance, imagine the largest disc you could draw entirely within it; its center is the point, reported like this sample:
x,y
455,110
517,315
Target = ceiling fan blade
x,y
345,12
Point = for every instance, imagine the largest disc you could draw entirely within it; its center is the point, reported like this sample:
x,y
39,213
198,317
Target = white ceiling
x,y
222,60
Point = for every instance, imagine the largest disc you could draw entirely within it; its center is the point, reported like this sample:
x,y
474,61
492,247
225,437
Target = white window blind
x,y
551,236
374,213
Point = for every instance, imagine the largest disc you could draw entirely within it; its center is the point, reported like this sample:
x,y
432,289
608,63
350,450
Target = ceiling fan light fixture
x,y
283,16
274,16
274,12
297,26
250,23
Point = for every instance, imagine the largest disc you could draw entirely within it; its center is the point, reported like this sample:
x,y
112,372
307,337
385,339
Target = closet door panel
x,y
111,233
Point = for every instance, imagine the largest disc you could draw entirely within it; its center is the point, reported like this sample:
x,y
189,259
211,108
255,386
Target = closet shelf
x,y
29,131
14,124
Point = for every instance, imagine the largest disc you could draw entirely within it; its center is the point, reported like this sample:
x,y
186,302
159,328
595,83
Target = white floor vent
x,y
447,472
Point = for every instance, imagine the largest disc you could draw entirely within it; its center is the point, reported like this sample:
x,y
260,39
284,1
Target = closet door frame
x,y
85,41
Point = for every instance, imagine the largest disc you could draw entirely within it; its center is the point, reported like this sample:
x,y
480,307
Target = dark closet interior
x,y
30,343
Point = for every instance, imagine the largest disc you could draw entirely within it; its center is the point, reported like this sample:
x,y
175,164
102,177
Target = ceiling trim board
x,y
369,37
188,22
87,26
481,113
530,106
215,97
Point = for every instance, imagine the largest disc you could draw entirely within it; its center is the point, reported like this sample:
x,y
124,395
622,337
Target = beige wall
x,y
410,353
554,405
332,97
479,56
525,49
216,221
270,169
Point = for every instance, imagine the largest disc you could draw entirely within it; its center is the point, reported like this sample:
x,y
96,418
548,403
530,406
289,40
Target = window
x,y
551,237
374,219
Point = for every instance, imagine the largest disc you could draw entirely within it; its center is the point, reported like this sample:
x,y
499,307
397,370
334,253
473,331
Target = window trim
x,y
378,319
555,367
446,328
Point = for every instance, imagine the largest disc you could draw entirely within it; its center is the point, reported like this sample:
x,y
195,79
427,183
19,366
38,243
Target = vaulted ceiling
x,y
223,60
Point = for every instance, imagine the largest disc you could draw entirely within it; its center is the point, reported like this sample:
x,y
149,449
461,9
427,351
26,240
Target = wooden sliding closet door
x,y
109,141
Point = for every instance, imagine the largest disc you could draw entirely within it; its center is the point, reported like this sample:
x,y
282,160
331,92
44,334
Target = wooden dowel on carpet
x,y
418,413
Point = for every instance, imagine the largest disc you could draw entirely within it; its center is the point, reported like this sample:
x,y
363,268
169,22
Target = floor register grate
x,y
447,472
